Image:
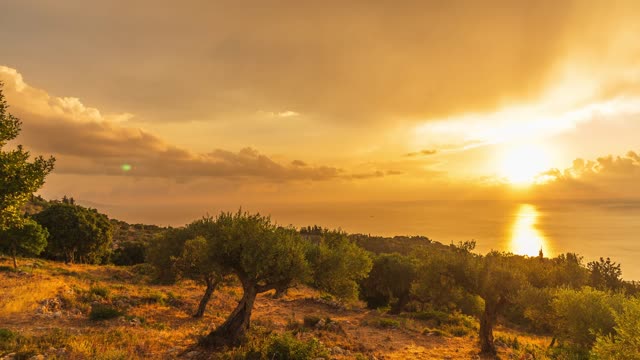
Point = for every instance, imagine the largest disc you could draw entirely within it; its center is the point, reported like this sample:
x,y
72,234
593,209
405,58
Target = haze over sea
x,y
590,228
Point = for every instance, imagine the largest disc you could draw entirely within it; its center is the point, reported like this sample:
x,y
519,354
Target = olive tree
x,y
338,264
262,255
28,240
182,253
390,282
498,283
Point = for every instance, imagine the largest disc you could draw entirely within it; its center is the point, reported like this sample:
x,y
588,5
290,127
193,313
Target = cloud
x,y
422,153
88,142
612,177
358,63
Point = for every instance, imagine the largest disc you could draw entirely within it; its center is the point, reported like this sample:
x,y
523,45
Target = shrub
x,y
434,332
571,306
288,347
100,291
7,339
625,343
388,323
311,321
458,330
103,312
439,317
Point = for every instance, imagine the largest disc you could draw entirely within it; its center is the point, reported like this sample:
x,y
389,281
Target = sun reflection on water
x,y
526,239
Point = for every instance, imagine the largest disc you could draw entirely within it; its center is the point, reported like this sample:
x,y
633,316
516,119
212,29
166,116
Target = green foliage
x,y
99,291
28,240
287,347
260,253
19,177
624,343
129,253
536,309
103,312
193,262
568,271
338,264
7,339
163,251
605,274
77,234
581,314
389,280
387,323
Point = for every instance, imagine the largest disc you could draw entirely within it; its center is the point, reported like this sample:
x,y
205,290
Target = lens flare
x,y
126,167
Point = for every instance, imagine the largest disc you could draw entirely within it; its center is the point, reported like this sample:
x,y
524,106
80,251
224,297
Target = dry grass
x,y
158,322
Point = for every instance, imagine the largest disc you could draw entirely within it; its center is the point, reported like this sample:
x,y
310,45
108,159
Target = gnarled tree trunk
x,y
487,322
212,284
15,262
232,331
397,308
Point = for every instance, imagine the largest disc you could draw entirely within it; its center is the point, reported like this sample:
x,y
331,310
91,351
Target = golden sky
x,y
210,105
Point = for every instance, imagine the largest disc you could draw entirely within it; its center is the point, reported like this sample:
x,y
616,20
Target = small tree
x,y
605,274
19,178
338,264
194,263
182,253
498,284
624,343
28,240
76,233
390,281
581,314
262,255
164,250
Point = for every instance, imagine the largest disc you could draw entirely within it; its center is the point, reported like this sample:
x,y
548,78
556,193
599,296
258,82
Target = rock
x,y
191,354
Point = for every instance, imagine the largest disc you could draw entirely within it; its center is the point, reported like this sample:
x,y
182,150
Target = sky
x,y
160,112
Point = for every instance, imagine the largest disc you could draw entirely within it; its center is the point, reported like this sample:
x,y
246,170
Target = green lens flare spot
x,y
125,167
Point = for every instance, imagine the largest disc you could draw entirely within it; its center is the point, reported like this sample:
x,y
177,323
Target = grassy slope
x,y
158,324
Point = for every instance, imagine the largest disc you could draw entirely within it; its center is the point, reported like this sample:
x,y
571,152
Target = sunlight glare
x,y
521,165
526,239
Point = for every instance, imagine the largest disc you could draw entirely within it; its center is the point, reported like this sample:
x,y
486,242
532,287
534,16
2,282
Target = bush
x,y
7,339
288,347
144,269
388,323
311,321
103,312
625,343
572,307
439,317
458,330
434,332
99,291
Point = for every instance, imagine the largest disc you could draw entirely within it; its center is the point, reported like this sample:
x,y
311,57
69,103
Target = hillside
x,y
45,311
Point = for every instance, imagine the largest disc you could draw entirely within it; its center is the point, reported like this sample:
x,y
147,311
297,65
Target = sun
x,y
521,164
